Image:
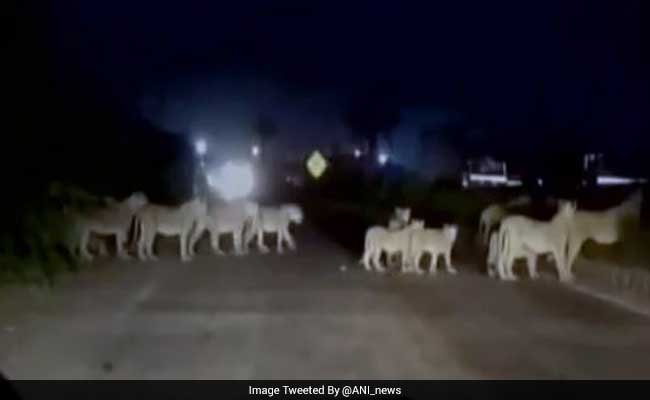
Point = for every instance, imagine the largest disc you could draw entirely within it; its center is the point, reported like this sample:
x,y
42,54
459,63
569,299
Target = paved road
x,y
299,316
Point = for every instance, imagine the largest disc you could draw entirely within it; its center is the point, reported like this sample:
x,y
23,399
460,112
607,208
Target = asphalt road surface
x,y
299,315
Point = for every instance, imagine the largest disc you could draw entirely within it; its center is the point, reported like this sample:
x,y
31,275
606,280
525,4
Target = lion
x,y
492,215
603,227
379,239
113,219
436,242
400,218
493,258
274,220
230,218
181,221
519,234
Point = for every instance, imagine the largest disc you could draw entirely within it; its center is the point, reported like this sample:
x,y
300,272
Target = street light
x,y
201,147
255,150
357,153
382,158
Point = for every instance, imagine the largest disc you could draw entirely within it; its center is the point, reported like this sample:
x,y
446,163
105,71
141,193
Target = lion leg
x,y
574,249
414,265
531,263
376,260
260,242
433,264
289,239
406,264
510,270
560,265
278,241
248,235
245,239
120,239
83,246
151,239
142,241
450,268
507,273
491,270
244,247
183,239
365,260
568,258
195,235
410,262
214,241
142,247
142,254
501,267
101,248
237,241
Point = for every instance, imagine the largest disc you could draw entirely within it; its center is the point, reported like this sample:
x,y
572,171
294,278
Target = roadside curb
x,y
628,287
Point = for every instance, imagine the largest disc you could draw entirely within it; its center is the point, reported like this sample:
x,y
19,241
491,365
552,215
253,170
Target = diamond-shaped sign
x,y
316,164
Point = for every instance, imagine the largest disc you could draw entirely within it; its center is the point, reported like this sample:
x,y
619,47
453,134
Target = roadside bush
x,y
415,192
34,232
460,206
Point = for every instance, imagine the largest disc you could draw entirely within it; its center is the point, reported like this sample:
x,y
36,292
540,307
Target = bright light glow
x,y
357,153
200,146
488,178
255,150
540,182
494,179
382,158
234,180
610,180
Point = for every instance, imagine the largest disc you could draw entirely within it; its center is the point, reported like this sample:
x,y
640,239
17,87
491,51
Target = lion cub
x,y
436,242
379,240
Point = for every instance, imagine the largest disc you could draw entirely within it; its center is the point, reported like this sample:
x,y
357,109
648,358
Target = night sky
x,y
521,76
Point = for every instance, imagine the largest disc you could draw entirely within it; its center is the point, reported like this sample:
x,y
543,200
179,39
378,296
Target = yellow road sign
x,y
316,164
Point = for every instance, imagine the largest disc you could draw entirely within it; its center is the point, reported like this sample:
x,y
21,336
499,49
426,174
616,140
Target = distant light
x,y
382,158
493,179
233,180
465,182
610,180
200,146
540,182
357,153
255,150
490,178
